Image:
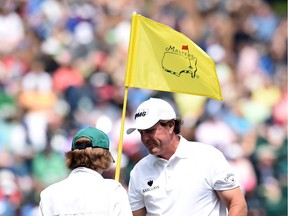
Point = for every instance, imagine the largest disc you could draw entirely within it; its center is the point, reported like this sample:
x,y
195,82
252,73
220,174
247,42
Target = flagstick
x,y
130,61
120,145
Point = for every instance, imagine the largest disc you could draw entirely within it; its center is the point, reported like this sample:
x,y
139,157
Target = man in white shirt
x,y
179,177
85,192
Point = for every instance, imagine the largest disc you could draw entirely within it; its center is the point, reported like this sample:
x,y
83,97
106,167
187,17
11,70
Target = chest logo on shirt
x,y
150,183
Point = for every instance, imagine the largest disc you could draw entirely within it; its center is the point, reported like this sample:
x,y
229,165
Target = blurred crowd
x,y
62,67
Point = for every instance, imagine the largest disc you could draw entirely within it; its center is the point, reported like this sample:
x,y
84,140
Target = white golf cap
x,y
150,112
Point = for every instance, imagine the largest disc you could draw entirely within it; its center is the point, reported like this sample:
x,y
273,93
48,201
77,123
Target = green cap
x,y
98,138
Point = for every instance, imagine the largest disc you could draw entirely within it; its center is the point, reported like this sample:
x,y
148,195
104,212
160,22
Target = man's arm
x,y
140,212
234,201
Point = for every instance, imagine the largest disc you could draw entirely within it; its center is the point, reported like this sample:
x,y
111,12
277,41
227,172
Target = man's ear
x,y
171,124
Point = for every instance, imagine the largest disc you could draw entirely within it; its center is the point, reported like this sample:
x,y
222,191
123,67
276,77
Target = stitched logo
x,y
150,188
230,178
141,113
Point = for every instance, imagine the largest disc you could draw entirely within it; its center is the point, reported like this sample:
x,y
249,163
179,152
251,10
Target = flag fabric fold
x,y
161,58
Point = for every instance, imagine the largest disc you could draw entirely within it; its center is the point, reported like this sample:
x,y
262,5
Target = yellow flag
x,y
163,59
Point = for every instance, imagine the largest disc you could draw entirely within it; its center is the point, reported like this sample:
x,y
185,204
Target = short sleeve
x,y
221,173
136,198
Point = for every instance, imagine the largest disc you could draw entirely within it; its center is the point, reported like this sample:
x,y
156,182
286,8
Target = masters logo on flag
x,y
172,54
163,59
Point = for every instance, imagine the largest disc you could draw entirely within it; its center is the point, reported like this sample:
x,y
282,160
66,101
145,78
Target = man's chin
x,y
154,151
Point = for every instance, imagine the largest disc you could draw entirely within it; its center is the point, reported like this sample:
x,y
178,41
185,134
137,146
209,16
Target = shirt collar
x,y
181,151
85,170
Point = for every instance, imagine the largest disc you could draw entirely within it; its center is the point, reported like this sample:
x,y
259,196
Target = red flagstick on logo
x,y
184,47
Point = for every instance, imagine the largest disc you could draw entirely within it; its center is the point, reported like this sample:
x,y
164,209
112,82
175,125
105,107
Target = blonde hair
x,y
97,159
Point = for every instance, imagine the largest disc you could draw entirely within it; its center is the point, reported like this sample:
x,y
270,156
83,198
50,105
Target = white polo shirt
x,y
85,192
184,185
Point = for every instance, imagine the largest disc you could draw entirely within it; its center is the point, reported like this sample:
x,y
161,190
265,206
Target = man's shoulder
x,y
144,163
146,160
198,148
